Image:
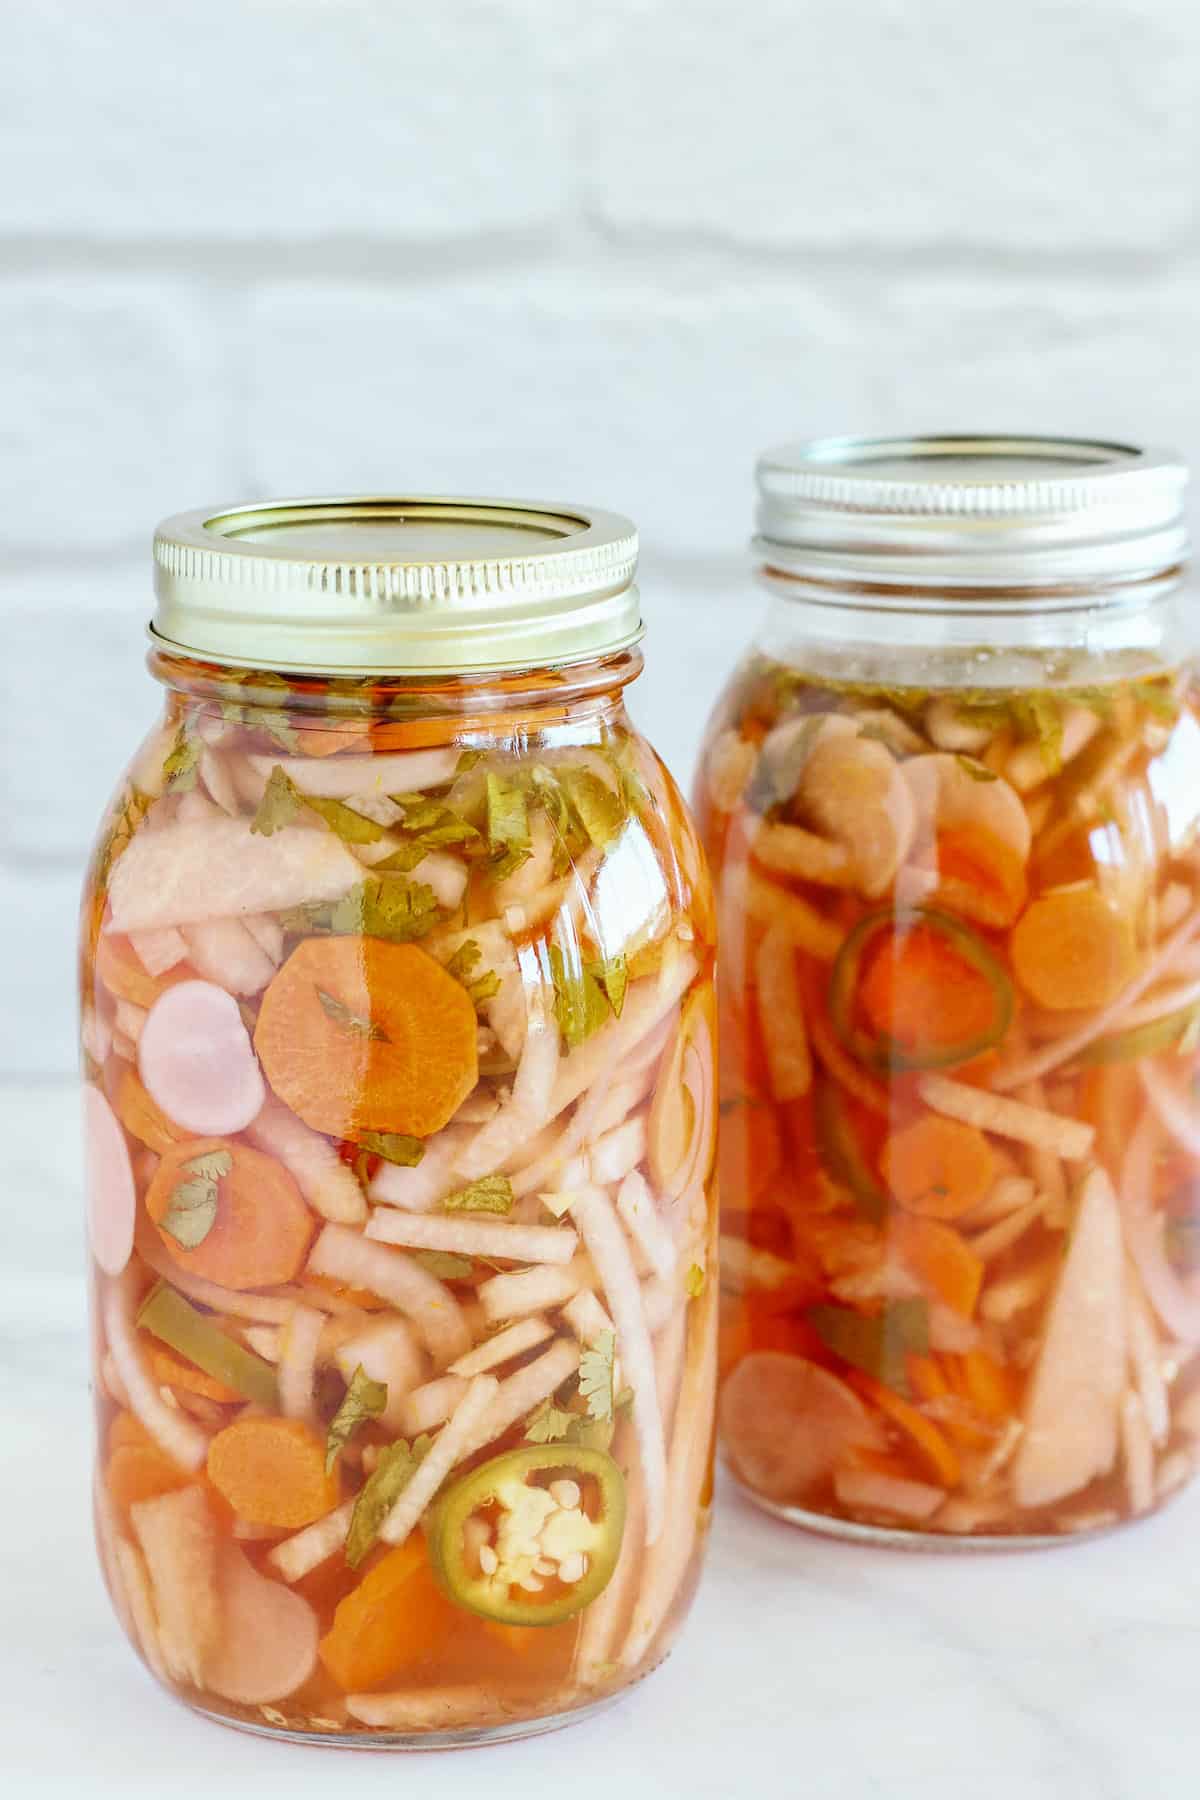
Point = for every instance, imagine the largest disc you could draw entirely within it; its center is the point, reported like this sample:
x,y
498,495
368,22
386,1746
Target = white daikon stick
x,y
1068,1138
267,933
318,1171
453,1442
298,1343
520,1392
387,1351
514,1340
435,1176
298,1556
524,1291
416,1293
468,1234
614,1155
427,1407
642,1220
781,1016
533,1086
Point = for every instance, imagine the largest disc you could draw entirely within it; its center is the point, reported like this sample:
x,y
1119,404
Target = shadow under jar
x,y
398,1021
951,798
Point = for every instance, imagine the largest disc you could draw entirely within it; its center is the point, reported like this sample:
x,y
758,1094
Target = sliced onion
x,y
1145,1229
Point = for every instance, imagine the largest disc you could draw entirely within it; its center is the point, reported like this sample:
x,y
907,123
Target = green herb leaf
x,y
492,1194
613,976
462,964
467,760
444,1264
379,1493
279,805
507,825
182,762
976,770
878,1343
596,1377
364,1399
393,1146
693,1282
126,814
1157,697
352,827
599,810
549,1424
192,1209
341,1014
582,1001
383,906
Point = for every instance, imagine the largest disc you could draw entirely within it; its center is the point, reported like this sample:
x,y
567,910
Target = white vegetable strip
x,y
419,1188
865,1488
427,1708
659,1301
298,1343
345,777
158,951
1177,1115
388,1352
299,1555
216,776
593,1213
263,1340
514,1340
781,1016
1006,1232
1007,1195
641,1219
424,1299
512,1296
218,868
691,1445
469,1234
533,1086
177,1434
267,934
427,1407
319,1172
453,1442
603,1619
524,1389
178,1539
1069,1138
587,1318
668,1364
222,950
1101,1022
613,1156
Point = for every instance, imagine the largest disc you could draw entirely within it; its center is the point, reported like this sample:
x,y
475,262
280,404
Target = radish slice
x,y
111,1194
268,1644
786,1423
195,1060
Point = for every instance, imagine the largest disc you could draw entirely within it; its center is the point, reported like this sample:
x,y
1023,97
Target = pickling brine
x,y
960,1014
398,1039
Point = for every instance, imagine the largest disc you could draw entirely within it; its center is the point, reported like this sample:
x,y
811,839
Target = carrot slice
x,y
121,971
172,1371
938,1167
139,1472
356,1034
920,993
940,1260
272,1472
979,876
143,1118
933,1448
989,1385
393,1620
262,1228
1073,949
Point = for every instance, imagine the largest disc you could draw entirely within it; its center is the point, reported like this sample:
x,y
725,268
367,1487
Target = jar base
x,y
363,1738
937,1543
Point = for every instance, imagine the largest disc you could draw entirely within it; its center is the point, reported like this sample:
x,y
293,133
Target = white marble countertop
x,y
808,1668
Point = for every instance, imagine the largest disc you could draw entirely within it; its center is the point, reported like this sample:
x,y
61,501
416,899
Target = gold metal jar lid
x,y
392,584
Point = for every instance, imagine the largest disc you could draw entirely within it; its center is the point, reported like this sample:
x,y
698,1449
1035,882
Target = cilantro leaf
x,y
492,1194
444,1264
976,770
548,1424
507,824
596,1377
182,762
340,1013
379,1493
600,811
585,995
192,1209
364,1399
393,1146
462,964
279,805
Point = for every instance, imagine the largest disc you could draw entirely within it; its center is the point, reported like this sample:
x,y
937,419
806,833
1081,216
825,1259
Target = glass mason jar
x,y
952,797
397,960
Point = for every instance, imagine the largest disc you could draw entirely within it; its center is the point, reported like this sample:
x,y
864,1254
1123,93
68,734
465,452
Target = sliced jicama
x,y
222,950
781,1017
455,1440
418,1188
219,868
318,1171
178,1538
1072,1411
267,933
158,951
533,1087
217,778
769,904
513,1296
868,1490
299,1555
196,1061
614,1155
470,1235
668,1365
1068,1138
587,1317
299,1341
111,1192
387,1352
603,1619
427,1407
173,1431
518,1394
349,777
786,1424
593,1213
641,1219
420,1296
268,1645
514,1340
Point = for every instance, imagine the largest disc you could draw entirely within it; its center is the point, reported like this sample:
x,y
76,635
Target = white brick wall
x,y
605,252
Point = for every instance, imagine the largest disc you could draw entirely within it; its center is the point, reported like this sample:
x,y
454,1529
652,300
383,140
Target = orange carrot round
x,y
940,1259
143,1118
261,1230
979,876
122,973
272,1472
938,1167
919,992
355,1034
172,1371
1073,949
392,1621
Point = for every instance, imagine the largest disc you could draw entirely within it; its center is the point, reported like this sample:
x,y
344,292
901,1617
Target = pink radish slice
x,y
196,1062
268,1641
787,1422
111,1193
